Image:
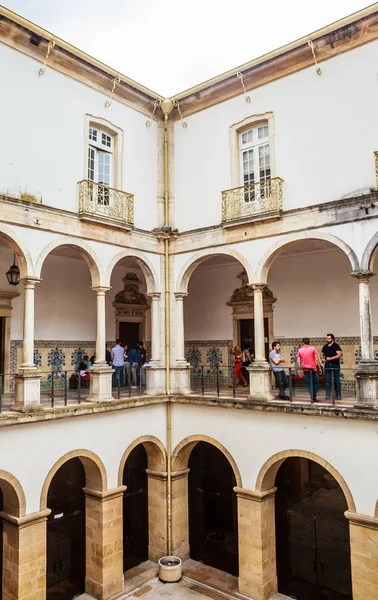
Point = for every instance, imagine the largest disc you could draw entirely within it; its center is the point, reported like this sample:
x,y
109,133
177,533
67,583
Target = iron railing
x,y
252,200
100,200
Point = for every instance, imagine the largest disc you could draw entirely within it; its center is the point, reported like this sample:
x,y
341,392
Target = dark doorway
x,y
1,545
129,333
65,576
213,521
312,533
135,509
2,343
247,335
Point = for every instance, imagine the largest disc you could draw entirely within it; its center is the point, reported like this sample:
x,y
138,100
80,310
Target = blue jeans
x,y
312,381
118,372
328,370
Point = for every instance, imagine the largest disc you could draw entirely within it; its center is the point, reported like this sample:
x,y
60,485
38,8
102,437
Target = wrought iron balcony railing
x,y
252,200
101,201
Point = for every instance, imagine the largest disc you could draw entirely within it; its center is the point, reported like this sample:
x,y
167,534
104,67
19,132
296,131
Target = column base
x,y
100,384
180,378
28,390
260,381
367,383
155,379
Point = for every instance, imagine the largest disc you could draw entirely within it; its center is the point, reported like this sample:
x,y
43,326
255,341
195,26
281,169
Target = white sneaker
x,y
134,386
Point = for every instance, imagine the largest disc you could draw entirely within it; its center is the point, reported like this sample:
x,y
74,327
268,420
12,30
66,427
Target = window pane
x,y
104,168
264,162
106,140
93,134
91,164
263,132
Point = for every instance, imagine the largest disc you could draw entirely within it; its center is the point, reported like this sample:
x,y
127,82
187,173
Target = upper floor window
x,y
100,157
254,159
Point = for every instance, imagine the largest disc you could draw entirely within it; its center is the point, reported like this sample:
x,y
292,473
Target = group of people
x,y
310,365
128,364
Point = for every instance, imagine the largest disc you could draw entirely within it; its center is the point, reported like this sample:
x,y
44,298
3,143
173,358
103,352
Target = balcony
x,y
98,202
253,201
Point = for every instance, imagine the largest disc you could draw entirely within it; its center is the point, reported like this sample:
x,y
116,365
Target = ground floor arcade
x,y
80,514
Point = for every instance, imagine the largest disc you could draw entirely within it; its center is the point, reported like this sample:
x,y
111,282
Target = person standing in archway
x,y
331,354
309,363
276,359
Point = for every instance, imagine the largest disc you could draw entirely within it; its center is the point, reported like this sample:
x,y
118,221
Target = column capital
x,y
104,496
180,295
363,275
254,495
362,520
30,281
154,295
26,520
101,288
259,287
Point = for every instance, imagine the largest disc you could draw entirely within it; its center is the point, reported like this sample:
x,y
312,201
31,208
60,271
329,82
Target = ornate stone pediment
x,y
130,296
243,295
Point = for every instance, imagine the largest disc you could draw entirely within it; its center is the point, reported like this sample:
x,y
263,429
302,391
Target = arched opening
x,y
315,295
312,533
135,508
219,316
128,318
213,525
65,574
65,323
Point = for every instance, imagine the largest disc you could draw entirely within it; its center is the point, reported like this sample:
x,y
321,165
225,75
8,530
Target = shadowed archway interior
x,y
312,533
135,509
213,526
65,575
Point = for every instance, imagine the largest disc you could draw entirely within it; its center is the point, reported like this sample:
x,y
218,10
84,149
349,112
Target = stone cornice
x,y
344,35
107,495
16,32
337,212
27,520
255,495
362,520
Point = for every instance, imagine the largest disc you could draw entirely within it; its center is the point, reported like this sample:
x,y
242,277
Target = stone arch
x,y
266,261
88,253
156,454
14,502
368,255
186,272
17,245
267,475
181,454
95,473
142,262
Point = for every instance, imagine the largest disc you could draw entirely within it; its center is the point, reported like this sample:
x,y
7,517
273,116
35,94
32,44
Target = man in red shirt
x,y
309,363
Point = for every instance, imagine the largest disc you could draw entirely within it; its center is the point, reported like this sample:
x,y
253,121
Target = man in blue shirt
x,y
118,363
134,360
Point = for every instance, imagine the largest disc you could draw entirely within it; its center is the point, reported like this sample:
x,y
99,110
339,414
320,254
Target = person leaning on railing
x,y
276,360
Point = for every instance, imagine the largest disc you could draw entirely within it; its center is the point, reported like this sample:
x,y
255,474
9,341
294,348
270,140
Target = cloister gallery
x,y
251,217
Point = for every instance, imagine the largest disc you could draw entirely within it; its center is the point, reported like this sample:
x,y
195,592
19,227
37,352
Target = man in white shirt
x,y
118,363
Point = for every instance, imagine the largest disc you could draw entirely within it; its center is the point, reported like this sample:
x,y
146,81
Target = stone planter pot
x,y
170,569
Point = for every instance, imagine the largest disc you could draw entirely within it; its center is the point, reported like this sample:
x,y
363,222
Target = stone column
x,y
104,542
180,373
180,514
100,385
24,556
157,514
363,555
155,371
257,543
28,380
259,371
367,369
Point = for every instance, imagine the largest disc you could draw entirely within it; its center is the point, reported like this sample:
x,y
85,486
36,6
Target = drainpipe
x,y
166,107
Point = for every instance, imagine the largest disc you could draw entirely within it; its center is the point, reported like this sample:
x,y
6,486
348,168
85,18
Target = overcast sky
x,y
170,47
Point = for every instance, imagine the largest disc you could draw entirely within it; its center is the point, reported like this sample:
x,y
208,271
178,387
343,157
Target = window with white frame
x,y
101,161
255,161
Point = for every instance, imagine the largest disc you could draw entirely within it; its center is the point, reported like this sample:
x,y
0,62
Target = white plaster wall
x,y
43,138
107,434
252,437
324,138
206,314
